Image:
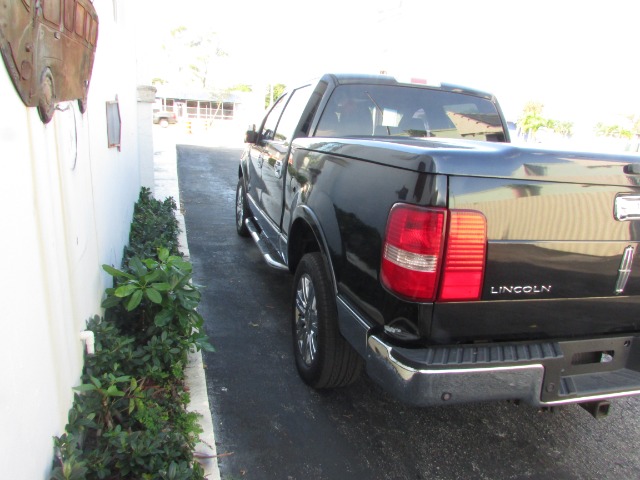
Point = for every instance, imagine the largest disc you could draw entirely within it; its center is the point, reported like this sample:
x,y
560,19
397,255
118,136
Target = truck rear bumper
x,y
539,373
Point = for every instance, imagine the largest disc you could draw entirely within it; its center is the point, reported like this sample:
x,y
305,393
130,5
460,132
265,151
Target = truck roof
x,y
354,78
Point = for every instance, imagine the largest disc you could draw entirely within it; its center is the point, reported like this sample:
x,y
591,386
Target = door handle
x,y
278,168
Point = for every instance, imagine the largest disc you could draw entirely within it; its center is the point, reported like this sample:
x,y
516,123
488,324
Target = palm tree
x,y
563,128
614,131
531,120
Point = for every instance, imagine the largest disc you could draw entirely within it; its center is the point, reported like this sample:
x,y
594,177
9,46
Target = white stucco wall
x,y
66,202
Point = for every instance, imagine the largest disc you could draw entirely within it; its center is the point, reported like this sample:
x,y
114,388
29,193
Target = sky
x,y
579,58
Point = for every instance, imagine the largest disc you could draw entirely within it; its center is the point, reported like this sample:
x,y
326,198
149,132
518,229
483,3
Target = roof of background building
x,y
165,91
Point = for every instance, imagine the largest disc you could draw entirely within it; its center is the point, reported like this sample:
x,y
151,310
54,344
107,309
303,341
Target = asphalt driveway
x,y
270,425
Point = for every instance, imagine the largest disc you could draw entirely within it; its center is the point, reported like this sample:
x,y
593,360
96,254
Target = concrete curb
x,y
166,185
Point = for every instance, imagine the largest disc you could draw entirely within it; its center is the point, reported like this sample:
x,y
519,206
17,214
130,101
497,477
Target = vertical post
x,y
146,99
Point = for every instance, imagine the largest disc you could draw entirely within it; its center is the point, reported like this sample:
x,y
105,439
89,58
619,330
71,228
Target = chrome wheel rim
x,y
240,207
306,320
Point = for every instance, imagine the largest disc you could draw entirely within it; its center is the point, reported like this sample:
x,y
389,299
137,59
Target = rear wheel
x,y
46,100
82,104
323,357
242,211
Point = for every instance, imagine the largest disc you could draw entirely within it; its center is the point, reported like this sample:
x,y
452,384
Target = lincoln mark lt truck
x,y
450,264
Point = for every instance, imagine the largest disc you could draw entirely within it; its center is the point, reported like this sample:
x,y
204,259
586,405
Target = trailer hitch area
x,y
599,409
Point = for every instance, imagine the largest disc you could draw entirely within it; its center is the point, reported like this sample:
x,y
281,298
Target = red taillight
x,y
431,250
464,260
412,250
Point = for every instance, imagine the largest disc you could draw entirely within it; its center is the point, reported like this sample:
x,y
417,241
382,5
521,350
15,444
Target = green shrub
x,y
129,418
154,226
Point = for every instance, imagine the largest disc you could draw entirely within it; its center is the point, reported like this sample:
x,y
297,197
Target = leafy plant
x,y
154,225
67,454
107,393
129,418
163,298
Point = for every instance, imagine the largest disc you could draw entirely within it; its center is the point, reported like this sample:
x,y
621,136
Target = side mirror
x,y
251,136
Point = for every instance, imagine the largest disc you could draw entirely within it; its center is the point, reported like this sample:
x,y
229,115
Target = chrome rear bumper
x,y
538,373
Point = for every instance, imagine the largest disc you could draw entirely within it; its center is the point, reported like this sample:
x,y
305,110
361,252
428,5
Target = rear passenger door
x,y
275,153
258,153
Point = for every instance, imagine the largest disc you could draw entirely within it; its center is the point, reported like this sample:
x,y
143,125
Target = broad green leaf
x,y
205,345
183,318
196,319
186,267
172,470
114,272
184,281
138,267
153,295
163,254
110,302
189,293
186,301
150,263
113,391
132,405
135,300
85,387
152,277
126,289
95,381
163,318
162,286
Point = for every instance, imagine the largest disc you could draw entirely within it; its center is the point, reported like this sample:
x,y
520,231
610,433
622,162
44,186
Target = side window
x,y
80,20
290,119
269,127
94,31
51,10
69,10
348,112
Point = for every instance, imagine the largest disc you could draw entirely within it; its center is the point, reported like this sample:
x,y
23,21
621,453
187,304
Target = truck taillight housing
x,y
434,254
464,258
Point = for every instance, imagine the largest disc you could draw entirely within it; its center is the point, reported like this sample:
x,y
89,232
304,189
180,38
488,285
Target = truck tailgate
x,y
563,233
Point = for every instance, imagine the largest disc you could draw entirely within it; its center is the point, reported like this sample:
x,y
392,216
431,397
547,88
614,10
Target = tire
x,y
164,123
323,357
242,211
47,98
82,105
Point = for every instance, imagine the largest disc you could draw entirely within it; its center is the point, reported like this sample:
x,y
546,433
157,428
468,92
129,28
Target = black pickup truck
x,y
451,264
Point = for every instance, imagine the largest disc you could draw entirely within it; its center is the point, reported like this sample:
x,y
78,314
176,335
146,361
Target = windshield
x,y
391,110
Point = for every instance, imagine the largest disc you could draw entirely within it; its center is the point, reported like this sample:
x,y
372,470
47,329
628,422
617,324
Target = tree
x,y
563,128
206,53
531,120
613,131
193,58
242,87
273,93
635,122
